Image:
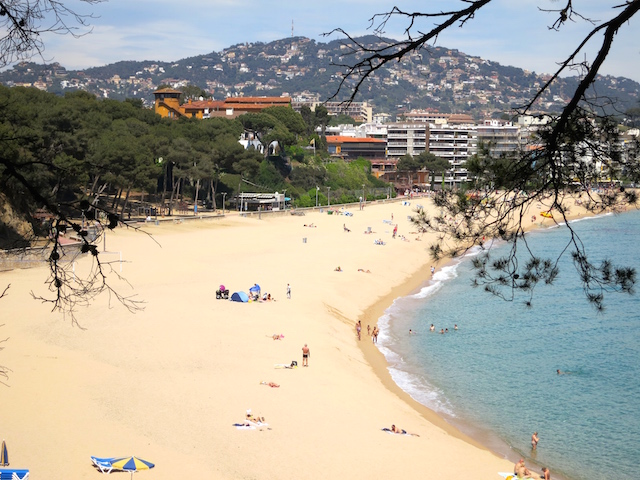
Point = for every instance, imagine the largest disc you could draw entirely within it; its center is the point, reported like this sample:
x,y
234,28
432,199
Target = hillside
x,y
436,78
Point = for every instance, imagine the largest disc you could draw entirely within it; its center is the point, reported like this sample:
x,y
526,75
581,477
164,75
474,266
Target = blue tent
x,y
239,297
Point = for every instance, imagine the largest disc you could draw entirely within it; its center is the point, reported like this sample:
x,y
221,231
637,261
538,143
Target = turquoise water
x,y
495,378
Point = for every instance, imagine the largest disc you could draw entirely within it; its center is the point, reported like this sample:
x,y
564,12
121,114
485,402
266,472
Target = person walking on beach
x,y
358,329
288,291
374,336
395,231
305,355
534,440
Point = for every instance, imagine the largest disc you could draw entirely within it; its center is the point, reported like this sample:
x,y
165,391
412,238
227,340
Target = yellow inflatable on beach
x,y
546,214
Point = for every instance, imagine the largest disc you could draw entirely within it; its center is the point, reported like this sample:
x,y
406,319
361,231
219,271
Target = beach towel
x,y
293,364
244,426
388,430
257,424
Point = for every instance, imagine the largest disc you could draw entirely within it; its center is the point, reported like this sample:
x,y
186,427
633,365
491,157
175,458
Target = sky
x,y
510,32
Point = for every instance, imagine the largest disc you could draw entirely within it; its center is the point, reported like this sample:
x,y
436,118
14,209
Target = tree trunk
x,y
94,185
100,191
125,203
195,200
116,200
213,195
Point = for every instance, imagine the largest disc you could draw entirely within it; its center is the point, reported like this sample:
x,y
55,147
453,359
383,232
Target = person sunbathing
x,y
271,384
395,429
338,269
254,418
364,271
520,470
278,336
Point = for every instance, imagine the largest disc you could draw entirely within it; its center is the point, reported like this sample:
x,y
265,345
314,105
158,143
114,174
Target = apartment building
x,y
455,143
359,111
425,116
406,139
351,148
500,137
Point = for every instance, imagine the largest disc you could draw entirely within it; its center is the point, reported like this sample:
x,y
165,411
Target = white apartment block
x,y
359,111
500,137
455,143
406,139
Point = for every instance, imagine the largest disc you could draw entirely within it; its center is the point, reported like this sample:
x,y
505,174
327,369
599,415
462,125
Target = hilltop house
x,y
167,104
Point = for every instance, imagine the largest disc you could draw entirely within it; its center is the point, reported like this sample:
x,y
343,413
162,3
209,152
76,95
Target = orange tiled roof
x,y
202,104
258,100
341,139
167,90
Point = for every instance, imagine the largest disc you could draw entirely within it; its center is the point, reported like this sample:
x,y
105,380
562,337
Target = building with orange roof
x,y
167,104
350,148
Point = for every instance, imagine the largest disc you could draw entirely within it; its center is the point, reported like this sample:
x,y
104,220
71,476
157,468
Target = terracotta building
x,y
167,104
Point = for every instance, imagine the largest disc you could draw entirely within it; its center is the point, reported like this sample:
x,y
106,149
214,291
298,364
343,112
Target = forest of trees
x,y
78,147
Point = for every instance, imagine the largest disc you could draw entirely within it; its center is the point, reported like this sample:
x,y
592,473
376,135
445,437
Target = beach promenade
x,y
168,383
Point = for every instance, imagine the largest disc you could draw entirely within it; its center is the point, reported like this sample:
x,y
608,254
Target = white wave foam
x,y
421,391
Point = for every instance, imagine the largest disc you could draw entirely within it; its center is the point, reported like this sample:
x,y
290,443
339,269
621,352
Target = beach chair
x,y
13,474
105,465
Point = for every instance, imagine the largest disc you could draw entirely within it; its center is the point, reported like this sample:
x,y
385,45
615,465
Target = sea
x,y
495,377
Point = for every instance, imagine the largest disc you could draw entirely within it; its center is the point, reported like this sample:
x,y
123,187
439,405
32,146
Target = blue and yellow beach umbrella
x,y
4,455
131,464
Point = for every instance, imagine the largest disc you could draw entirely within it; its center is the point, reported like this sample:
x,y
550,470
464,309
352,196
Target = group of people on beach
x,y
521,471
372,333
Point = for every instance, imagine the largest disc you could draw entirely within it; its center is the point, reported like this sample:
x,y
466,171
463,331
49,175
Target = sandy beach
x,y
168,383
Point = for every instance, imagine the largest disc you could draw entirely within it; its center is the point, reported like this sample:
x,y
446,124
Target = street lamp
x,y
328,197
364,197
317,190
224,194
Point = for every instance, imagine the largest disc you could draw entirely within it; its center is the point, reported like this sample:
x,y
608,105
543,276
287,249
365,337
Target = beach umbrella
x,y
255,288
4,455
131,464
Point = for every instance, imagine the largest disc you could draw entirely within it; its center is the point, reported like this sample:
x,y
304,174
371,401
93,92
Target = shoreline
x,y
380,366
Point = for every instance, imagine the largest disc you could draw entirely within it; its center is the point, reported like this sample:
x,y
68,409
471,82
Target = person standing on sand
x,y
358,329
534,440
288,291
305,355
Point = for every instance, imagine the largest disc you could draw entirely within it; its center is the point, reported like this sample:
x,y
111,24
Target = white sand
x,y
167,384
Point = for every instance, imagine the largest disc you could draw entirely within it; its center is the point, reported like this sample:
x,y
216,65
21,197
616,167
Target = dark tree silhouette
x,y
576,148
25,159
23,23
